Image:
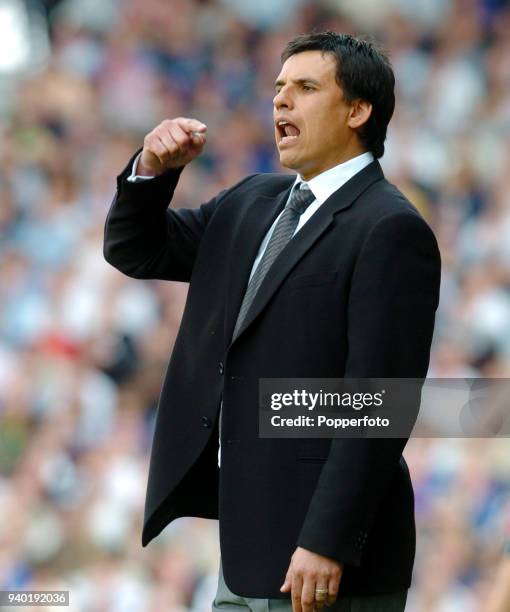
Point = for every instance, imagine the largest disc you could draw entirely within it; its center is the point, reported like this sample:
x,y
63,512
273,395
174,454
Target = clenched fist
x,y
171,144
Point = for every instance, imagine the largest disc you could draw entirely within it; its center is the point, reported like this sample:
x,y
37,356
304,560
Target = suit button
x,y
206,422
221,367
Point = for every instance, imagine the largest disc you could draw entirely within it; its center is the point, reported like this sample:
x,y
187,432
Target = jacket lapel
x,y
340,200
253,226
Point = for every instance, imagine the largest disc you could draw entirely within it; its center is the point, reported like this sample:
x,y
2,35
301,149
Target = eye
x,y
307,88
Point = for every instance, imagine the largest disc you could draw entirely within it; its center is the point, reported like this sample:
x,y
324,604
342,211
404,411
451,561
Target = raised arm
x,y
142,237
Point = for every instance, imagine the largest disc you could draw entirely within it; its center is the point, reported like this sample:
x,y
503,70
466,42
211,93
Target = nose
x,y
282,99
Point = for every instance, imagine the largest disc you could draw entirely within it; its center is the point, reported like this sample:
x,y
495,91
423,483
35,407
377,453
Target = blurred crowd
x,y
83,349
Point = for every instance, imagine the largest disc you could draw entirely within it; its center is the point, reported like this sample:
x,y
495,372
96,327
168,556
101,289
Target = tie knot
x,y
301,198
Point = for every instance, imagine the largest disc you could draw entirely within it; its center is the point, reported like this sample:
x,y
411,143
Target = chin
x,y
287,161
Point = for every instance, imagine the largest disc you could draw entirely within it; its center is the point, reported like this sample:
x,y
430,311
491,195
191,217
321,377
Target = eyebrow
x,y
301,81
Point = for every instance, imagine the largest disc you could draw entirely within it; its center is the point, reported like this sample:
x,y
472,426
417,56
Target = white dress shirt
x,y
322,186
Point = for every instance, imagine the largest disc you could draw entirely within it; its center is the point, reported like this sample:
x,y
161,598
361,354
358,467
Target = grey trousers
x,y
226,600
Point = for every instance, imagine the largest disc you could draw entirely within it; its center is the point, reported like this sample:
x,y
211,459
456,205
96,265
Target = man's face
x,y
316,136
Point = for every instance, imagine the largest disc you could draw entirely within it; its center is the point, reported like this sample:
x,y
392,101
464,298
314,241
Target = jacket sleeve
x,y
145,239
392,303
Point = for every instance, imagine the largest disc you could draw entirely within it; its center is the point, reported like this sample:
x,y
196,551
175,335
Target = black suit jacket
x,y
353,295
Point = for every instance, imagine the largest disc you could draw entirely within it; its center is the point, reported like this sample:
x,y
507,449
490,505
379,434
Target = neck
x,y
341,159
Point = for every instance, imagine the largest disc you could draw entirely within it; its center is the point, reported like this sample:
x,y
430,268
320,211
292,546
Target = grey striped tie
x,y
299,201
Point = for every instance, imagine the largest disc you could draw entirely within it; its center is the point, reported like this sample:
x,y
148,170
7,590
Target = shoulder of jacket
x,y
389,200
267,181
264,184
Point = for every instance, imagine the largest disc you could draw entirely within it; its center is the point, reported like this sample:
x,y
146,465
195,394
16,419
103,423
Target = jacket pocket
x,y
314,450
310,279
311,459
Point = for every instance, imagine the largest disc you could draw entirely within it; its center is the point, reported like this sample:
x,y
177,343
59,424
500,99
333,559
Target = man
x,y
331,273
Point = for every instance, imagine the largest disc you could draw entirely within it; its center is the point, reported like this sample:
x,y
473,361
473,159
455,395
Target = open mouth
x,y
287,131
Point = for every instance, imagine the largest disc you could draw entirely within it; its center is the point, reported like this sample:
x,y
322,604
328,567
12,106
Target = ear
x,y
359,113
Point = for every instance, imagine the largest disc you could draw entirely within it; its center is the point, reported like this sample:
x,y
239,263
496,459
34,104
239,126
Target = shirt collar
x,y
326,183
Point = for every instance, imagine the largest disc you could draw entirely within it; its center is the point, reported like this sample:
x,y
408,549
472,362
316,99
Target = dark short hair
x,y
363,72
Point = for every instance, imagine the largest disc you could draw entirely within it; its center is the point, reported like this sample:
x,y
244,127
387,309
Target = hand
x,y
308,571
171,144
